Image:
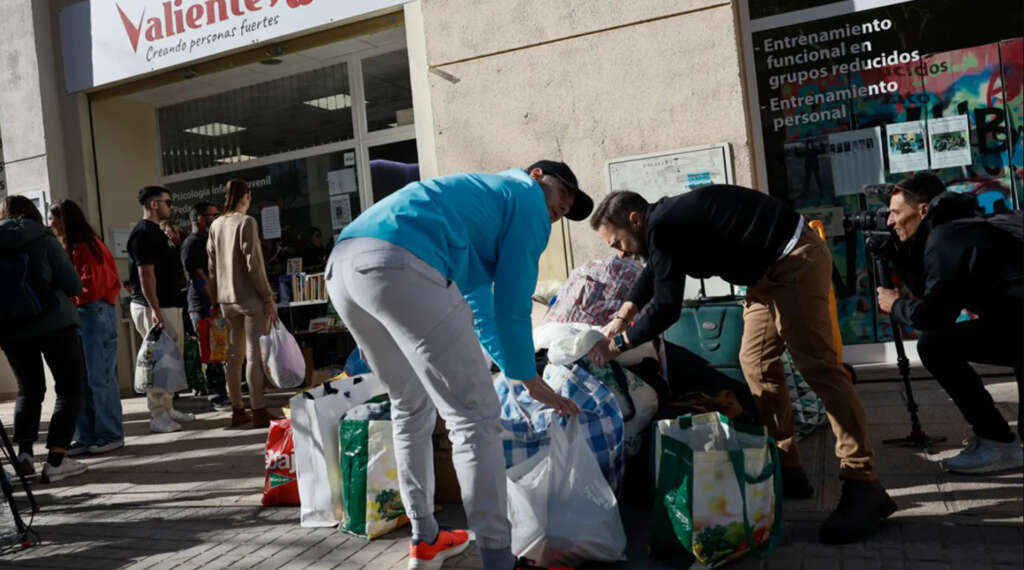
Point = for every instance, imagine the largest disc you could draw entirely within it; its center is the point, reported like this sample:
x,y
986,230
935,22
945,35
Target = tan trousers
x,y
789,307
159,401
247,323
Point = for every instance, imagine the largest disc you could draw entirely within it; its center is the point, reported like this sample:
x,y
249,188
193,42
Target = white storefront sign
x,y
109,40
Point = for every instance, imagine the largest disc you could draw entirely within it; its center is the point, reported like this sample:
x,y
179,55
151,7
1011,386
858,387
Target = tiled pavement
x,y
191,500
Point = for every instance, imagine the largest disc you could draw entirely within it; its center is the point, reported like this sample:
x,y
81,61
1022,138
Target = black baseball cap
x,y
582,205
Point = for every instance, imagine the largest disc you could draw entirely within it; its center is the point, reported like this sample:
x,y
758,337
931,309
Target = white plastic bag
x,y
159,363
282,358
561,508
568,342
315,416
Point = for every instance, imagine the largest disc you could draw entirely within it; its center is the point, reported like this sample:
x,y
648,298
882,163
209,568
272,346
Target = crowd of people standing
x,y
58,303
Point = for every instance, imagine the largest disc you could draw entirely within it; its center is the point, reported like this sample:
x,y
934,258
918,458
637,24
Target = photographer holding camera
x,y
956,259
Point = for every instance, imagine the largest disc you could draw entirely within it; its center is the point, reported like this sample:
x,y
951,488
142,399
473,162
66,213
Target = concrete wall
x,y
585,82
31,134
47,144
127,153
21,101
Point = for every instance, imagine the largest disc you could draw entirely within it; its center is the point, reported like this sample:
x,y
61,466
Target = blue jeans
x,y
100,417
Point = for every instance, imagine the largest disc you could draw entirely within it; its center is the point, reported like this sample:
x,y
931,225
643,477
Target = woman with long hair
x,y
100,428
239,281
37,322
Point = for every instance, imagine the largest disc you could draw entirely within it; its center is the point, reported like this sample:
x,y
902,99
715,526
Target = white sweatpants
x,y
159,401
416,331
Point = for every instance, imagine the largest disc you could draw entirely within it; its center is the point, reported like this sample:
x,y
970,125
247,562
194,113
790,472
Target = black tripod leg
x,y
9,448
917,437
8,491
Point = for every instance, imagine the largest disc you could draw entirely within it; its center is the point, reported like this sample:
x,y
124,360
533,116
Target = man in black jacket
x,y
964,262
750,238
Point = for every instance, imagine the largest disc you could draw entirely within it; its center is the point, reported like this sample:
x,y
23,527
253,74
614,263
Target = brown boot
x,y
261,418
240,417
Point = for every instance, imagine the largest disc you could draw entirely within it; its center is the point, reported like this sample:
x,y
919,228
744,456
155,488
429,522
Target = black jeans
x,y
216,377
947,352
63,353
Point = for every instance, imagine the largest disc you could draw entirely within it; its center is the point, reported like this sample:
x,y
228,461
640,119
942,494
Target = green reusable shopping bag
x,y
194,367
808,409
371,504
719,490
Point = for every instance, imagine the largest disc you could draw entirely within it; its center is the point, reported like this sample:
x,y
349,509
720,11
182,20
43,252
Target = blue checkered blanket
x,y
526,424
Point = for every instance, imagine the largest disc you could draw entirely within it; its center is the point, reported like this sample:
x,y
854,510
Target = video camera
x,y
879,238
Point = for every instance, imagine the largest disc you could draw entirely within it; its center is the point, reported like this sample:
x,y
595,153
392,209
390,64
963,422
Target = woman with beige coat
x,y
239,281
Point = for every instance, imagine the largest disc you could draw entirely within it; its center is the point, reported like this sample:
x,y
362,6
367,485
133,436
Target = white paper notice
x,y
341,211
342,181
906,144
270,220
671,172
949,141
119,242
856,158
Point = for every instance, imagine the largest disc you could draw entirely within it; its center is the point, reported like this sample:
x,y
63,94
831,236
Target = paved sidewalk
x,y
191,500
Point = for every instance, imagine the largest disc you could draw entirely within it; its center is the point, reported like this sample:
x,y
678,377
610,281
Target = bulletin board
x,y
667,173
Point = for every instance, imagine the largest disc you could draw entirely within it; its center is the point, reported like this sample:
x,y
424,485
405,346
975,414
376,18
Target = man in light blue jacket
x,y
412,277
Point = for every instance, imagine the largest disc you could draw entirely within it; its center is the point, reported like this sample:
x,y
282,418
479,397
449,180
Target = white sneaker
x,y
180,416
67,468
163,424
986,456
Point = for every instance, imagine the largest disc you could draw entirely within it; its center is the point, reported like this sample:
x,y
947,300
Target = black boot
x,y
795,484
862,508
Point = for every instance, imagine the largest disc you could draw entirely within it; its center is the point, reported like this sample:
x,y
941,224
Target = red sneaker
x,y
449,543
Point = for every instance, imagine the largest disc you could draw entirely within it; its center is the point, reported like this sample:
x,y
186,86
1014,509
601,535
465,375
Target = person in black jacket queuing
x,y
961,260
194,261
35,271
750,238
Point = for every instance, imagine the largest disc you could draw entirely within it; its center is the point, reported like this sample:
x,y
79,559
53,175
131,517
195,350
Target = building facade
x,y
299,97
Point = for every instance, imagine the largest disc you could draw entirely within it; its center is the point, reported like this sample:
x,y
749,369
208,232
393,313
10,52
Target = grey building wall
x,y
584,81
43,131
42,126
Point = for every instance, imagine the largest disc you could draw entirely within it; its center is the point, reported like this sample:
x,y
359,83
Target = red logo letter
x,y
132,29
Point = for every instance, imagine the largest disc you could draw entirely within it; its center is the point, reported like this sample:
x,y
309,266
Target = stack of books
x,y
308,287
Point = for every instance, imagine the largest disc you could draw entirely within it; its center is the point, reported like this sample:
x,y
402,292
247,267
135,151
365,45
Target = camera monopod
x,y
917,437
27,536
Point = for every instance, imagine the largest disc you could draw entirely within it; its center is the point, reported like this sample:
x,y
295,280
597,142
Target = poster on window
x,y
906,145
342,181
949,141
270,221
808,170
856,158
341,211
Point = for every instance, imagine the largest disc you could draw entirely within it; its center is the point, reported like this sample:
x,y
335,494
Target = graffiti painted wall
x,y
817,81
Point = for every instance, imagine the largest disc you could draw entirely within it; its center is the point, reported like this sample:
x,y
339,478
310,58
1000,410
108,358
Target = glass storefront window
x,y
314,198
295,141
298,111
388,91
